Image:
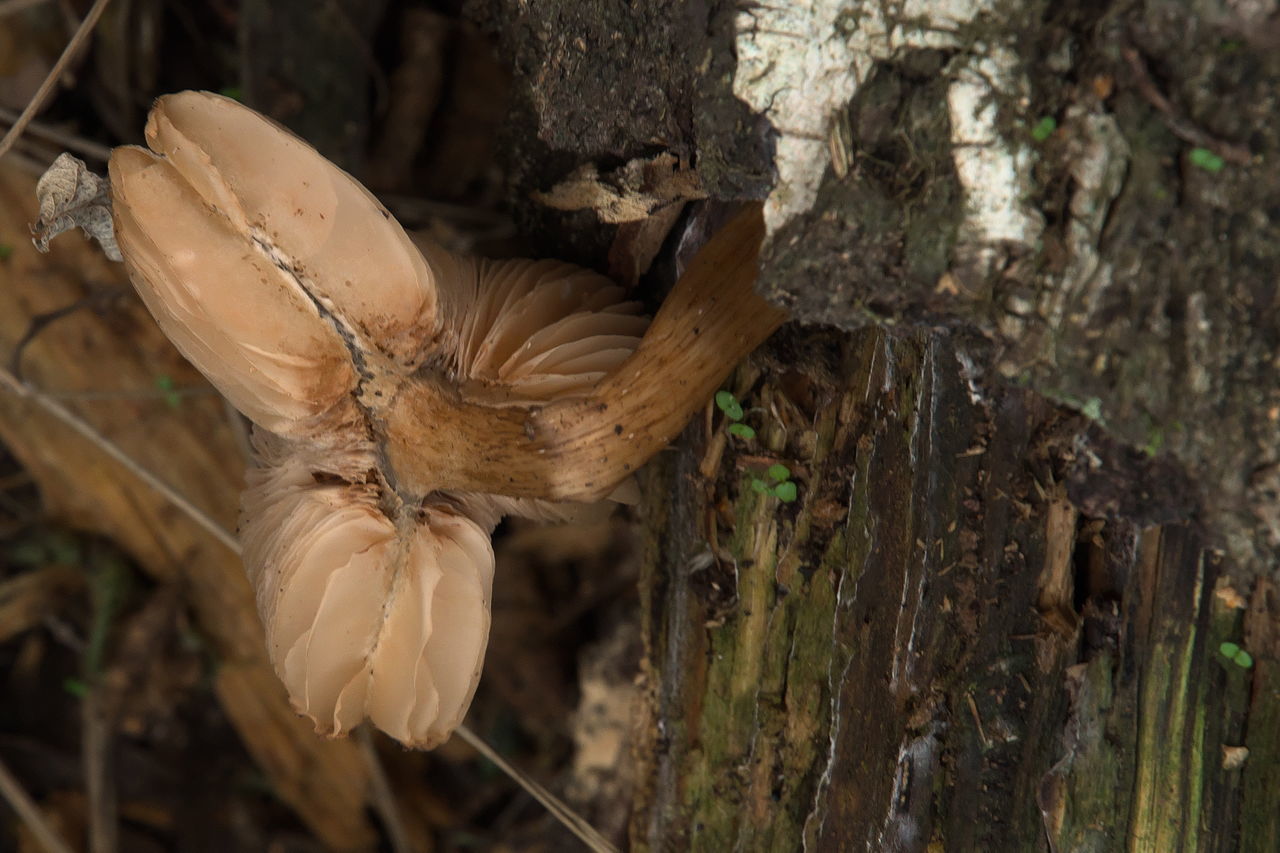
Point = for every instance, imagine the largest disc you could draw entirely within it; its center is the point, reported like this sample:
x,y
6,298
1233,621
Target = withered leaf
x,y
71,196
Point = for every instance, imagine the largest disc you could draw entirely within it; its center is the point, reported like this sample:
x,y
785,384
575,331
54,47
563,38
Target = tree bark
x,y
1036,447
933,646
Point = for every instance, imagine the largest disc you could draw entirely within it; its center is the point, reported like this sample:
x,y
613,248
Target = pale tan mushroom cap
x,y
231,312
367,616
320,221
263,262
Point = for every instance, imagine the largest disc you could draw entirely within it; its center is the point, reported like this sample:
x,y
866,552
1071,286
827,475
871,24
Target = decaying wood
x,y
191,446
894,662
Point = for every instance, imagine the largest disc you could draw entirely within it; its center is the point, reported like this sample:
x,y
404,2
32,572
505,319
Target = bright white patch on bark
x,y
800,63
994,171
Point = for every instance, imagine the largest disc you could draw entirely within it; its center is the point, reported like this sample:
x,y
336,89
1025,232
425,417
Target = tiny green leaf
x,y
1044,128
164,384
742,431
6,251
1092,409
758,485
233,92
779,472
729,404
1155,441
785,492
1207,160
1237,655
75,687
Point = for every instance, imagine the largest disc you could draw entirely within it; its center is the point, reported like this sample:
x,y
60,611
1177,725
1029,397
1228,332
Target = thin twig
x,y
62,413
49,133
25,807
99,779
1179,126
567,816
51,79
384,799
97,299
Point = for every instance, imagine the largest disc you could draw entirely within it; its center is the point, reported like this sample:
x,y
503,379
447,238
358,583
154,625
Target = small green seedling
x,y
1207,160
1237,655
75,687
1044,128
778,483
1155,440
729,404
732,409
164,384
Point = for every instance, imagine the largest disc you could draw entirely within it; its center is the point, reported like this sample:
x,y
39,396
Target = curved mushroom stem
x,y
581,449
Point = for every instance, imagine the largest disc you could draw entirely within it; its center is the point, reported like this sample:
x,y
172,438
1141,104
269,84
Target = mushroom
x,y
404,397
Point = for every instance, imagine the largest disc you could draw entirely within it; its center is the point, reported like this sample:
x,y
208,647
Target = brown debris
x,y
73,197
631,193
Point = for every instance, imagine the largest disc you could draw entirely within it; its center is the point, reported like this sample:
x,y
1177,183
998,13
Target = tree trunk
x,y
1026,598
933,645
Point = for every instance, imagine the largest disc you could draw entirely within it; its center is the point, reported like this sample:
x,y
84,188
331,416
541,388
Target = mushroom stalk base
x,y
581,449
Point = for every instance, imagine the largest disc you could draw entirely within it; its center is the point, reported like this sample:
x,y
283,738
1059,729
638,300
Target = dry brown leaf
x,y
70,197
633,192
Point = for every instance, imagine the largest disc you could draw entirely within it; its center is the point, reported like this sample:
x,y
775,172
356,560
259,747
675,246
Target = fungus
x,y
404,398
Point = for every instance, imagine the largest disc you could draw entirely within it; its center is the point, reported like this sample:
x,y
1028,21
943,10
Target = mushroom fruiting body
x,y
366,614
405,397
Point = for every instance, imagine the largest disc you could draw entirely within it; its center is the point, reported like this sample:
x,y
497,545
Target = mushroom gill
x,y
367,613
